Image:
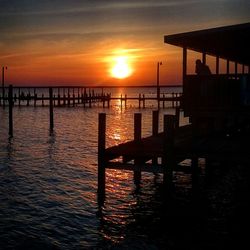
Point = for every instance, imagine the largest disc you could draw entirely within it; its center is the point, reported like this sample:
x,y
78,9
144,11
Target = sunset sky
x,y
78,41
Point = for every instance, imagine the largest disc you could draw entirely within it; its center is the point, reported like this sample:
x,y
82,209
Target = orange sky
x,y
74,42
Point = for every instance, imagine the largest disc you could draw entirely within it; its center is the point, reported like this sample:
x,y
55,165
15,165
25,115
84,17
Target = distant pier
x,y
87,97
74,96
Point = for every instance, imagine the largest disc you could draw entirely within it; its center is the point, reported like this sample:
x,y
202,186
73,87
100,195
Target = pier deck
x,y
163,152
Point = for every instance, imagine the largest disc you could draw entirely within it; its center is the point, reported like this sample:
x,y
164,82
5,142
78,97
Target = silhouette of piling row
x,y
62,97
82,97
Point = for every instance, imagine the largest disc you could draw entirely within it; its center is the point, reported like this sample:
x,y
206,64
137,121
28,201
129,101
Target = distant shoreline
x,y
96,86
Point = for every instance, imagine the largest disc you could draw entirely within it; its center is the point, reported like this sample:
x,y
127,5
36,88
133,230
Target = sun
x,y
121,68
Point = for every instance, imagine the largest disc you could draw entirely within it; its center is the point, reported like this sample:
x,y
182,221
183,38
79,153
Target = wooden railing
x,y
215,92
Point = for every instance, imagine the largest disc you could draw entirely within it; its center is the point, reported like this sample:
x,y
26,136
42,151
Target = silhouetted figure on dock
x,y
201,68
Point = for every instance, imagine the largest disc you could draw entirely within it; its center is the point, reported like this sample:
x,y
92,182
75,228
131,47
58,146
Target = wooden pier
x,y
82,98
150,154
86,97
163,152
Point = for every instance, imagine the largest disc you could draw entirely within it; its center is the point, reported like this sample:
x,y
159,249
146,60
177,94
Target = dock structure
x,y
218,107
163,152
149,154
86,97
222,98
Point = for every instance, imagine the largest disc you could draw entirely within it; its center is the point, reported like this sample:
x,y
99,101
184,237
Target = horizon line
x,y
95,86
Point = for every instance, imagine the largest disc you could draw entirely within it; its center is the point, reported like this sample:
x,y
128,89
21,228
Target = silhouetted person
x,y
202,68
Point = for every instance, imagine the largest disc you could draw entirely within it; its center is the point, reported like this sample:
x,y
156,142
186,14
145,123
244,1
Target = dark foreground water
x,y
48,189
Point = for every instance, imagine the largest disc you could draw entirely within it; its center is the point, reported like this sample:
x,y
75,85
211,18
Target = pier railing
x,y
75,96
215,92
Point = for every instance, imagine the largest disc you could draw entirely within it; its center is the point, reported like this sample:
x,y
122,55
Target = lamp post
x,y
3,90
158,82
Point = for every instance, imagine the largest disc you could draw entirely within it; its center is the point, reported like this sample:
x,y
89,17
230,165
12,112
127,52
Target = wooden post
x,y
3,88
19,97
137,139
125,100
155,130
169,158
59,100
28,99
109,98
101,157
85,97
74,101
177,117
90,100
103,100
139,101
176,102
10,97
43,100
155,123
51,109
158,83
35,97
63,97
68,97
143,101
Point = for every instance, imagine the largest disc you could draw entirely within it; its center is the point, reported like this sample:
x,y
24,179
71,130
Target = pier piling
x,y
155,129
155,122
137,139
168,159
51,115
101,157
10,99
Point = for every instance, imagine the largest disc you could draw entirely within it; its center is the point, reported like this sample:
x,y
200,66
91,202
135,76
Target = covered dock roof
x,y
228,42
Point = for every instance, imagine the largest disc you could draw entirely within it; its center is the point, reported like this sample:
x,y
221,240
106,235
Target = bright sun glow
x,y
121,68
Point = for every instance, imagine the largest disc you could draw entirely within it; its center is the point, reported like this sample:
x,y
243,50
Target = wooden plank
x,y
146,167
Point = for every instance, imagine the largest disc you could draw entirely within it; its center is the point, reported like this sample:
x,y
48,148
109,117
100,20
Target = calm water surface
x,y
48,184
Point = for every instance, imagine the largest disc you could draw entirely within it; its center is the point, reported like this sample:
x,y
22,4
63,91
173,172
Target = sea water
x,y
48,181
